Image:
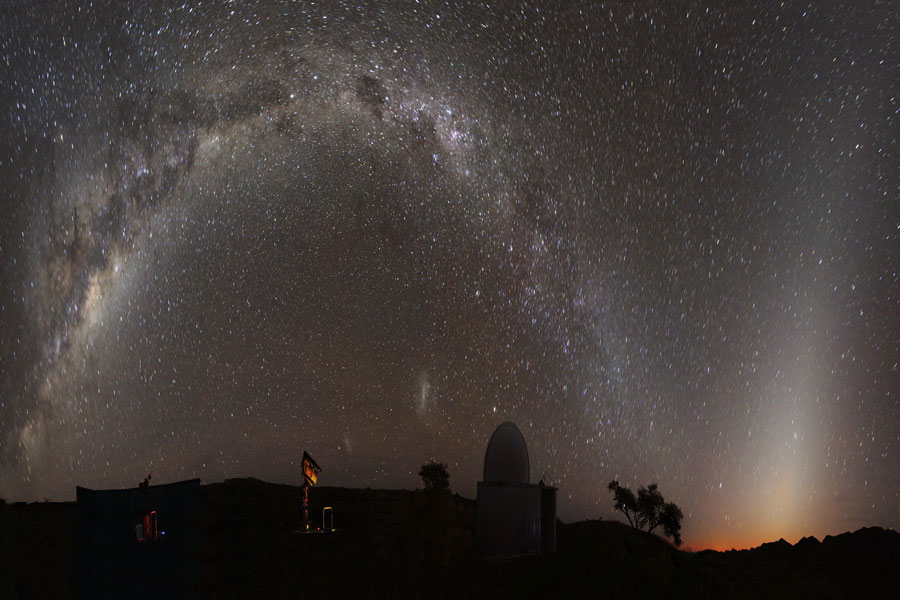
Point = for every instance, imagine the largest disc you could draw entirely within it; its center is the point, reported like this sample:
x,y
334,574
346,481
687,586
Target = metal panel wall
x,y
508,519
111,563
548,520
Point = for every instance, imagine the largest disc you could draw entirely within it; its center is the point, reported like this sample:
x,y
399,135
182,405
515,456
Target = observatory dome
x,y
506,457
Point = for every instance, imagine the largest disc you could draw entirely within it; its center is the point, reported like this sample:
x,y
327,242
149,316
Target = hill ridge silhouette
x,y
410,543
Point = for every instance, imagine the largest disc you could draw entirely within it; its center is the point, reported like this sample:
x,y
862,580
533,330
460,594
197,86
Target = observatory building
x,y
514,516
113,561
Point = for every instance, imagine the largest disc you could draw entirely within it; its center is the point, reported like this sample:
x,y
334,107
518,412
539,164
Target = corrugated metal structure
x,y
548,519
113,563
514,516
509,519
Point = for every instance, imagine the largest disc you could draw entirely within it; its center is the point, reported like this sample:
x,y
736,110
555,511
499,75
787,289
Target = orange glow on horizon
x,y
746,542
725,545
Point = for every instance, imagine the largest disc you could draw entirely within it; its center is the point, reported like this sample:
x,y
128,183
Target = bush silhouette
x,y
648,510
435,475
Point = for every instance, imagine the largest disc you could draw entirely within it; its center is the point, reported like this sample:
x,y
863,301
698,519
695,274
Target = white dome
x,y
506,457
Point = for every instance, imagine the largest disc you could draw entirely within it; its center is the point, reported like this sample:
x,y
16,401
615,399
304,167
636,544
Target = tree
x,y
649,510
650,503
435,475
625,501
670,519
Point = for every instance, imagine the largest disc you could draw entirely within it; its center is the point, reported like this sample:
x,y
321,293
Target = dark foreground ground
x,y
413,544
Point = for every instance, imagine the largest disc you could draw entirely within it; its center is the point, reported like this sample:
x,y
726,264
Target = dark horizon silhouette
x,y
239,537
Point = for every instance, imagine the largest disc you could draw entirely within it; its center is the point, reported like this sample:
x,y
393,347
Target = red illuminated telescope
x,y
310,468
310,476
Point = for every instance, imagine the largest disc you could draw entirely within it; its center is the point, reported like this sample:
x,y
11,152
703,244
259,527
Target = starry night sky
x,y
661,237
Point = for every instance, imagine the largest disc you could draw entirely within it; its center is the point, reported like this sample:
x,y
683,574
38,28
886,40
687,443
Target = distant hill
x,y
862,564
393,543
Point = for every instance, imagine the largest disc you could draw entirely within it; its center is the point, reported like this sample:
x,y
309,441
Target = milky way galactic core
x,y
662,238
